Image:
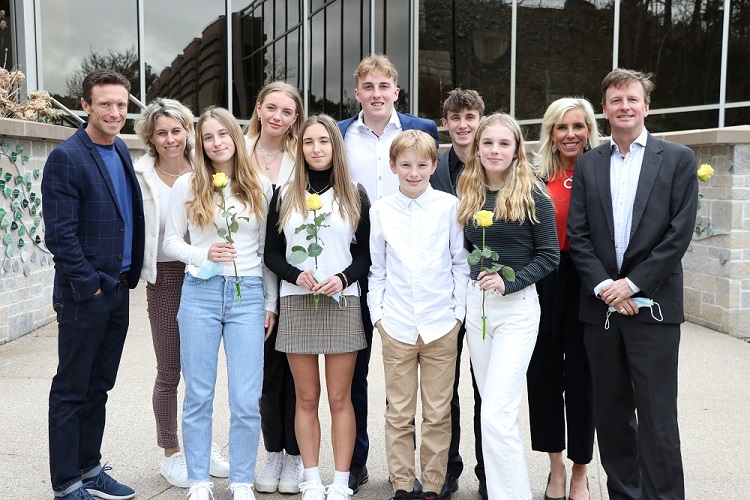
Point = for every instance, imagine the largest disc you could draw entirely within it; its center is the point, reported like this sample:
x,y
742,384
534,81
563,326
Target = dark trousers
x,y
359,383
91,335
455,462
558,378
634,369
277,400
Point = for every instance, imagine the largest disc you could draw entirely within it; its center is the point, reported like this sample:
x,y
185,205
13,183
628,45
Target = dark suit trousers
x,y
91,335
634,369
277,400
455,462
359,383
558,377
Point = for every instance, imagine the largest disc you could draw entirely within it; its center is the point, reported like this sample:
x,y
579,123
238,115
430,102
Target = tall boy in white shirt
x,y
417,302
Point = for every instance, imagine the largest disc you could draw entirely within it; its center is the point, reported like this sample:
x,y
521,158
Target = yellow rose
x,y
483,218
220,180
314,202
705,172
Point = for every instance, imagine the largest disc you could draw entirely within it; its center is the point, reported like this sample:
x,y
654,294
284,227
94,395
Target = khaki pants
x,y
437,366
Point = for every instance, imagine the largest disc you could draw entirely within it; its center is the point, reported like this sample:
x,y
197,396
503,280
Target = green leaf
x,y
508,273
221,232
303,227
473,258
226,214
247,219
314,249
486,252
319,219
229,239
13,156
297,256
310,229
234,226
698,230
495,268
710,230
494,256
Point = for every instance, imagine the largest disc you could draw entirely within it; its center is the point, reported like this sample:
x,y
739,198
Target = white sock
x,y
313,474
341,478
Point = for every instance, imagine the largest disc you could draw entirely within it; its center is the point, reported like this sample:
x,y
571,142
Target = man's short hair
x,y
621,77
460,99
102,77
377,63
421,143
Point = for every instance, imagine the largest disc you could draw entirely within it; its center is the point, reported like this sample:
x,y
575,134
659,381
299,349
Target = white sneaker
x,y
268,479
242,491
219,465
174,470
338,492
291,474
201,490
312,490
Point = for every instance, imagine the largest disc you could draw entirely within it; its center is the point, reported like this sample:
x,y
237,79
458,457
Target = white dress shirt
x,y
368,156
419,272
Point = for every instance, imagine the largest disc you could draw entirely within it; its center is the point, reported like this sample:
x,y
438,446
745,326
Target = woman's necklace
x,y
568,182
311,190
272,156
182,171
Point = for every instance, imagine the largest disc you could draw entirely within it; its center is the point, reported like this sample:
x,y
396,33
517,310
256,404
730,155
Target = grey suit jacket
x,y
441,178
663,220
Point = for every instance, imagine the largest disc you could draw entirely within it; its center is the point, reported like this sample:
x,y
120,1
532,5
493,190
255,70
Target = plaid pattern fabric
x,y
329,330
163,299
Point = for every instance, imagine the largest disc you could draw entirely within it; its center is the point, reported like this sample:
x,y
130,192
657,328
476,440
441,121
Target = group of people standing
x,y
300,237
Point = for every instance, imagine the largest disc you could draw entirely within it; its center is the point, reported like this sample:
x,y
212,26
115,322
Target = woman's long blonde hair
x,y
345,192
515,200
253,128
246,184
547,162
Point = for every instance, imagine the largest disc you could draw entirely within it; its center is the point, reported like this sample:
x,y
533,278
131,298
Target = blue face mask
x,y
640,302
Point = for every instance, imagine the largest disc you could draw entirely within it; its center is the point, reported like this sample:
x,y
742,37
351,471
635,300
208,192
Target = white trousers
x,y
500,362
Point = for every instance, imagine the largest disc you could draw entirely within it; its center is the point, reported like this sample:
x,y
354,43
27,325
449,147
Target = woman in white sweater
x,y
166,128
227,294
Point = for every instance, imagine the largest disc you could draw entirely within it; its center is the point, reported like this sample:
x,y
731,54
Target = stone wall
x,y
26,266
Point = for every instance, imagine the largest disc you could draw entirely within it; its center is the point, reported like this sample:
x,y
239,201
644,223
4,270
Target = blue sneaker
x,y
79,494
104,486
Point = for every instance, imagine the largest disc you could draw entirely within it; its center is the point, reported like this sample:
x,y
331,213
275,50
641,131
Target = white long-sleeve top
x,y
188,243
419,272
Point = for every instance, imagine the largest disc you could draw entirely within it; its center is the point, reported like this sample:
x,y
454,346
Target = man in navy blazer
x,y
632,213
93,214
367,137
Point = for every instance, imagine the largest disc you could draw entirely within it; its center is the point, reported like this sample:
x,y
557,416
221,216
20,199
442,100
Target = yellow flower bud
x,y
220,180
314,202
483,218
705,172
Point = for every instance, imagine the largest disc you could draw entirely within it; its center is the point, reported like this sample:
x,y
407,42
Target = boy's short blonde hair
x,y
377,63
422,143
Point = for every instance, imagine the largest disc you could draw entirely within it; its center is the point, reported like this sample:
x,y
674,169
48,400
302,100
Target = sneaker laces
x,y
102,480
202,485
309,489
292,467
273,466
242,491
336,491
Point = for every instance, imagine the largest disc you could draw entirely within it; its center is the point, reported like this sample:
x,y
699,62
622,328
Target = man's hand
x,y
617,294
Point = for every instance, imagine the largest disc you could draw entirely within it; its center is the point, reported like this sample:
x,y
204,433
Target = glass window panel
x,y
436,55
317,63
356,41
392,39
555,56
7,37
680,42
293,13
175,52
737,116
738,69
71,48
669,122
333,74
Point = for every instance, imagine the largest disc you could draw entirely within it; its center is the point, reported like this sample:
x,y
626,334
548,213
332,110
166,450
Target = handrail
x,y
135,101
65,110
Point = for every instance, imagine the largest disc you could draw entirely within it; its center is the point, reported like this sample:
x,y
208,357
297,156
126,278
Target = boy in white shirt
x,y
417,302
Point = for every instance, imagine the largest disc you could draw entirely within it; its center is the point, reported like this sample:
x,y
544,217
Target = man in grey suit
x,y
632,213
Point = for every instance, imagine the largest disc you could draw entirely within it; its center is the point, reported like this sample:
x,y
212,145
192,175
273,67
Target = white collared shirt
x,y
368,156
419,272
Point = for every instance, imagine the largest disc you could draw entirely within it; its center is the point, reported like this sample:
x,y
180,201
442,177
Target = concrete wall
x,y
27,272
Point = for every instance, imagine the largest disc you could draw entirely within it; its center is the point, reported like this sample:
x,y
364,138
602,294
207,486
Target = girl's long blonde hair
x,y
253,128
345,192
547,162
515,200
246,184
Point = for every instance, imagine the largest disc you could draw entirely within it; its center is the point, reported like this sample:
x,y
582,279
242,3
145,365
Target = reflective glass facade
x,y
519,55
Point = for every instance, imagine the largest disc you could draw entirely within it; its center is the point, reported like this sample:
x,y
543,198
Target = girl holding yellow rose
x,y
498,178
321,197
210,310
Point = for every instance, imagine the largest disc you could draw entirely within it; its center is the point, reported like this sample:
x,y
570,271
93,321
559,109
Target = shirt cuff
x,y
632,286
601,285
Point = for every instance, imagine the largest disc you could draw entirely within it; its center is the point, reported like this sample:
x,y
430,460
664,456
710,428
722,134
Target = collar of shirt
x,y
394,121
640,140
422,201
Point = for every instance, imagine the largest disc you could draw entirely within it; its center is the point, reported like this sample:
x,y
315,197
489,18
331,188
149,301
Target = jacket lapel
x,y
603,186
649,170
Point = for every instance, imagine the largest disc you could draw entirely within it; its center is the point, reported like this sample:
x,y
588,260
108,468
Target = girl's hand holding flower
x,y
491,281
222,252
306,279
329,286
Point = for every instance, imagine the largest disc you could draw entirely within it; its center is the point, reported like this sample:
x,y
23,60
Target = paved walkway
x,y
714,418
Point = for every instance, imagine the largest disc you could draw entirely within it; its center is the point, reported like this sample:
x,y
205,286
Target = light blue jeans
x,y
209,310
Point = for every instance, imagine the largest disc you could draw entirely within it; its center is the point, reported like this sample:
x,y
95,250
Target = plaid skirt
x,y
329,330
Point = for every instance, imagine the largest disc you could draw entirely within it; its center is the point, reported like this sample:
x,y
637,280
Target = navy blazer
x,y
441,178
663,220
408,122
84,228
